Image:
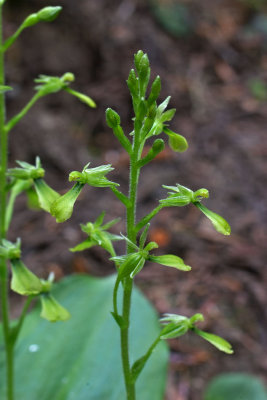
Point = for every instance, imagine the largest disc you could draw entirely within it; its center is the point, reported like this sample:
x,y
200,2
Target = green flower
x,y
98,235
27,171
178,325
93,176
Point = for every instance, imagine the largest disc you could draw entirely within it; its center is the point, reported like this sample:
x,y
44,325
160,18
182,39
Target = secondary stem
x,y
22,113
3,266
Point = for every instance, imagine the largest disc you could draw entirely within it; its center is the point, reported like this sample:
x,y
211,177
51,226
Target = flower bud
x,y
112,118
141,111
137,58
158,146
176,142
68,77
48,14
62,208
52,310
133,84
23,281
155,91
31,20
46,195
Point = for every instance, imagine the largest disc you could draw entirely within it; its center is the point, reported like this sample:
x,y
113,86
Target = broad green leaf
x,y
79,359
236,386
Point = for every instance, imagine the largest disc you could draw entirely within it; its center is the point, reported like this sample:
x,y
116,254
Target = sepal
x,y
27,171
170,260
82,97
24,281
62,208
217,341
46,195
9,250
52,310
218,222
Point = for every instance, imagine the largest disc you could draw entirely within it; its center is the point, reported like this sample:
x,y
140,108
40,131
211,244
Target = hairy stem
x,y
148,218
3,266
128,283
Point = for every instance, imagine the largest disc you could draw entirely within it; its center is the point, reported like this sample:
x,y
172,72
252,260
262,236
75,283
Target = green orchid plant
x,y
150,120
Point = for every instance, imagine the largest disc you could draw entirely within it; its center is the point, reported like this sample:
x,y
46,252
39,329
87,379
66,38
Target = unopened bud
x,y
112,118
48,14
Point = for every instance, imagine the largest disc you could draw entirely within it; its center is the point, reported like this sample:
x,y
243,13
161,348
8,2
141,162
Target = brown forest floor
x,y
208,73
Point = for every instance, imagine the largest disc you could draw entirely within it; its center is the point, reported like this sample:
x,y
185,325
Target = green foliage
x,y
81,361
237,386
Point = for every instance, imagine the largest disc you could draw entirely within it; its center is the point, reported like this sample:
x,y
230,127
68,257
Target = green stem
x,y
12,38
115,296
3,266
124,199
128,283
141,362
17,328
147,218
21,114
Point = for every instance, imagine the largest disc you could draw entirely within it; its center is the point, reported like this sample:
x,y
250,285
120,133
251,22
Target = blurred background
x,y
212,59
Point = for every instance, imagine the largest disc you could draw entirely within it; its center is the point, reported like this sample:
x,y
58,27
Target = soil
x,y
216,74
